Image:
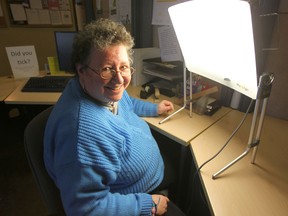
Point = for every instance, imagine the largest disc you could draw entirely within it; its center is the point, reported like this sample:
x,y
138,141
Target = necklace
x,y
112,106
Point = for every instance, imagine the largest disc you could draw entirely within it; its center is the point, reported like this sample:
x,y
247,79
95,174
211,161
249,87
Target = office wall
x,y
277,63
141,23
41,38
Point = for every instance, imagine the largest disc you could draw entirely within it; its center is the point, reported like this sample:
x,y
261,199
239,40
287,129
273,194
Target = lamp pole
x,y
185,96
263,93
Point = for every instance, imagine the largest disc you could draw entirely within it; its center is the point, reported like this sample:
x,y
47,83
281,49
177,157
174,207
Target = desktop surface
x,y
181,127
7,85
244,188
17,96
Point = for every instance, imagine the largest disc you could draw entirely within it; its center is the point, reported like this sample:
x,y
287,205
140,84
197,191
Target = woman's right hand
x,y
162,204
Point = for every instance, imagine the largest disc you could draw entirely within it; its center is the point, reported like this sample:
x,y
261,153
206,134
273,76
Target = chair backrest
x,y
33,142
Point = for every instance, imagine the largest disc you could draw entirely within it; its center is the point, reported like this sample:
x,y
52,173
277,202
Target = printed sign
x,y
23,61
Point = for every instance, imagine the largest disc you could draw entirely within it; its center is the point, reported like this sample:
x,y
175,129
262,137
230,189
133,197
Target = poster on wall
x,y
45,12
23,61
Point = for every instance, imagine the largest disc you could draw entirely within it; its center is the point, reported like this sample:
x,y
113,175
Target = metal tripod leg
x,y
185,97
251,143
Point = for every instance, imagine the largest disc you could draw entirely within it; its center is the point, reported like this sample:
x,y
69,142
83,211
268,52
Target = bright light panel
x,y
216,40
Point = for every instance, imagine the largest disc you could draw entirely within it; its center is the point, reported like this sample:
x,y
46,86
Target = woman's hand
x,y
162,204
165,106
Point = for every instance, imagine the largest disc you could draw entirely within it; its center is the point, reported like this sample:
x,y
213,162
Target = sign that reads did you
x,y
23,61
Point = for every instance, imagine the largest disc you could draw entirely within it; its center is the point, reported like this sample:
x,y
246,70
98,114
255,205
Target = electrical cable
x,y
229,139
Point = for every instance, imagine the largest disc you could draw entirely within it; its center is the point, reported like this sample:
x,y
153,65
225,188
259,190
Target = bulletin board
x,y
2,18
45,13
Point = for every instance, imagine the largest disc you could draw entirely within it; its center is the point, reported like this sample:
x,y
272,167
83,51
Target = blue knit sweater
x,y
103,164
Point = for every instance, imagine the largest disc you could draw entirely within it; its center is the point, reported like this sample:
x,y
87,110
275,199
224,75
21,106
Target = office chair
x,y
33,143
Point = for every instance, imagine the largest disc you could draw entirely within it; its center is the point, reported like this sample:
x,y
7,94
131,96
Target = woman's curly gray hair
x,y
100,34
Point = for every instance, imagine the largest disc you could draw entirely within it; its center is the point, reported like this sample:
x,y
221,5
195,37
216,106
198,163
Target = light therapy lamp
x,y
216,40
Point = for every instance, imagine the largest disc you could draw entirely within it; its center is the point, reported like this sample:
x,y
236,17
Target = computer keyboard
x,y
46,84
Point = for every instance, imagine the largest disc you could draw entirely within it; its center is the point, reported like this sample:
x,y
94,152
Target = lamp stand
x,y
185,96
264,89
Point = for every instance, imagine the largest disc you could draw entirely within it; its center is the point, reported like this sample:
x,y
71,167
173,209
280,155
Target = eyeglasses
x,y
108,73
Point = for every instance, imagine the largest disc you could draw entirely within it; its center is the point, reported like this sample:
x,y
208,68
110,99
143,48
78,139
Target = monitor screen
x,y
64,42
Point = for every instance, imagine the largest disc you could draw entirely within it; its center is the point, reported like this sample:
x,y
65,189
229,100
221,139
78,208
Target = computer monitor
x,y
64,43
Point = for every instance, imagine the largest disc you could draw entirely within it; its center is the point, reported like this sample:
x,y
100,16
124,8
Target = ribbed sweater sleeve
x,y
144,108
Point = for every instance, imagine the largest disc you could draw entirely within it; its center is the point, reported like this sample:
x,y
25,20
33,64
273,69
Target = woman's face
x,y
105,90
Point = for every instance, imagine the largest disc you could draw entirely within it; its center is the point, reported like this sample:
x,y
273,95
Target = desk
x,y
31,98
7,85
181,128
245,189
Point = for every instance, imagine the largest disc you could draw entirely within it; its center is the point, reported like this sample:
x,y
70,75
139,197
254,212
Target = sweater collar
x,y
111,106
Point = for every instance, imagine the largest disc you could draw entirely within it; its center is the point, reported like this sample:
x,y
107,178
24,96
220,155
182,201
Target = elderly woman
x,y
99,152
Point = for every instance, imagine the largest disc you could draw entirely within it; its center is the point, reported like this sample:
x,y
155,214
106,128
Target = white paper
x,y
125,11
23,61
18,12
66,17
35,4
44,16
113,10
64,5
55,17
32,16
170,49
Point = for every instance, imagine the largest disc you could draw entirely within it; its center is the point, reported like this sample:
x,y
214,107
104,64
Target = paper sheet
x,y
170,49
18,12
66,17
23,61
35,4
125,11
55,17
44,16
32,16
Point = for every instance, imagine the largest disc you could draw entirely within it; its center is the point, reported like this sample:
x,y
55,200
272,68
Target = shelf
x,y
167,75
